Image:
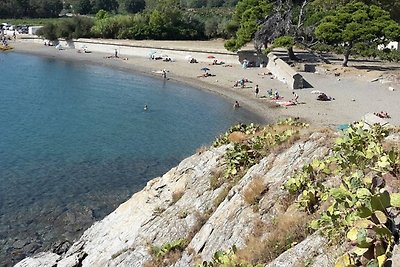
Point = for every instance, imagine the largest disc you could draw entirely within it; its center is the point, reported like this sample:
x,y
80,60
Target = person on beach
x,y
116,53
145,108
269,92
242,82
296,97
164,74
257,90
236,105
276,94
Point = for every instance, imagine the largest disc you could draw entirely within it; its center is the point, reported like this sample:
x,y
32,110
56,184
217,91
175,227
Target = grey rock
x,y
43,259
151,217
300,253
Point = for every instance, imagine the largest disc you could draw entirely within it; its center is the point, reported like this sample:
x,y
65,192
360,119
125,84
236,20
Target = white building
x,y
390,45
33,29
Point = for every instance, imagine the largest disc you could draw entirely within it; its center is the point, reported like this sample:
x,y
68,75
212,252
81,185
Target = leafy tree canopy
x,y
247,15
357,23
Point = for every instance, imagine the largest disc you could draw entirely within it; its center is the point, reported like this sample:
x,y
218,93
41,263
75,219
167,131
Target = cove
x,y
76,142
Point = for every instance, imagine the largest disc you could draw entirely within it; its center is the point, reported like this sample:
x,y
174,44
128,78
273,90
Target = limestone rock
x,y
43,259
182,205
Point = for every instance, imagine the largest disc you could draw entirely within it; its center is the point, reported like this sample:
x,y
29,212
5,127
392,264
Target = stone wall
x,y
284,73
126,49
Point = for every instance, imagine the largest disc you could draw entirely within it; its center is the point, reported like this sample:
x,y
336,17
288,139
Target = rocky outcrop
x,y
182,205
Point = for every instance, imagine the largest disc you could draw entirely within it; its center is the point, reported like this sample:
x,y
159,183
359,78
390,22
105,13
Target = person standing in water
x,y
145,108
164,74
236,105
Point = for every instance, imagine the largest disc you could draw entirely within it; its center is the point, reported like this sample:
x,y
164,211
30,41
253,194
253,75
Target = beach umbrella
x,y
210,56
205,69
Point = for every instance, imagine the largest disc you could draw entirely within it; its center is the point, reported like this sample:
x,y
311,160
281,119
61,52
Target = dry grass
x,y
202,149
221,196
177,195
253,192
286,200
388,145
285,145
201,219
167,260
216,179
285,232
237,137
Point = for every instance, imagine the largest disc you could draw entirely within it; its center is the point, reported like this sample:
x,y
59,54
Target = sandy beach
x,y
358,90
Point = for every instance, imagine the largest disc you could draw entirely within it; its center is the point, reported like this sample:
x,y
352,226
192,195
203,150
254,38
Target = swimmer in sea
x,y
145,108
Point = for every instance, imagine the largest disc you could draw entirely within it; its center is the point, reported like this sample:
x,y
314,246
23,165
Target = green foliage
x,y
134,6
49,32
247,15
357,23
293,122
107,5
110,26
225,259
359,204
176,245
242,155
83,6
166,21
243,128
34,21
76,27
284,41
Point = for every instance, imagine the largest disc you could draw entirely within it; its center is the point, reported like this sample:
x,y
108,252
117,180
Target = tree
x,y
46,8
107,5
357,23
83,7
286,42
134,6
247,15
48,32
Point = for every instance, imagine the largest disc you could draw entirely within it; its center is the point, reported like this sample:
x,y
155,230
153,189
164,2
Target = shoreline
x,y
349,104
141,67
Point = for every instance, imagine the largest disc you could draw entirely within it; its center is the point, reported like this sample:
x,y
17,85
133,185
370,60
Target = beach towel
x,y
286,103
276,99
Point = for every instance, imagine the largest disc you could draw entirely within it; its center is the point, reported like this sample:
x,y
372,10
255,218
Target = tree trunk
x,y
301,14
346,57
291,54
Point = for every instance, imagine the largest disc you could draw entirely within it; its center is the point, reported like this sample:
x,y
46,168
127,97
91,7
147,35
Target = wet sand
x,y
355,94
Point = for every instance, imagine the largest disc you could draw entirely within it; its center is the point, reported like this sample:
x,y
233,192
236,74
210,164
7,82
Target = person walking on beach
x,y
164,74
257,90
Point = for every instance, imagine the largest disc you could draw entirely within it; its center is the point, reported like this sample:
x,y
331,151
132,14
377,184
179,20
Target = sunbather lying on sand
x,y
382,114
205,75
324,97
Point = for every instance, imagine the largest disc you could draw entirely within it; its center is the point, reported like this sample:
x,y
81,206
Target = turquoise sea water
x,y
75,142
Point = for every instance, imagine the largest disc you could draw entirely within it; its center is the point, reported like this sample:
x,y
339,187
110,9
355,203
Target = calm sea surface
x,y
75,142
